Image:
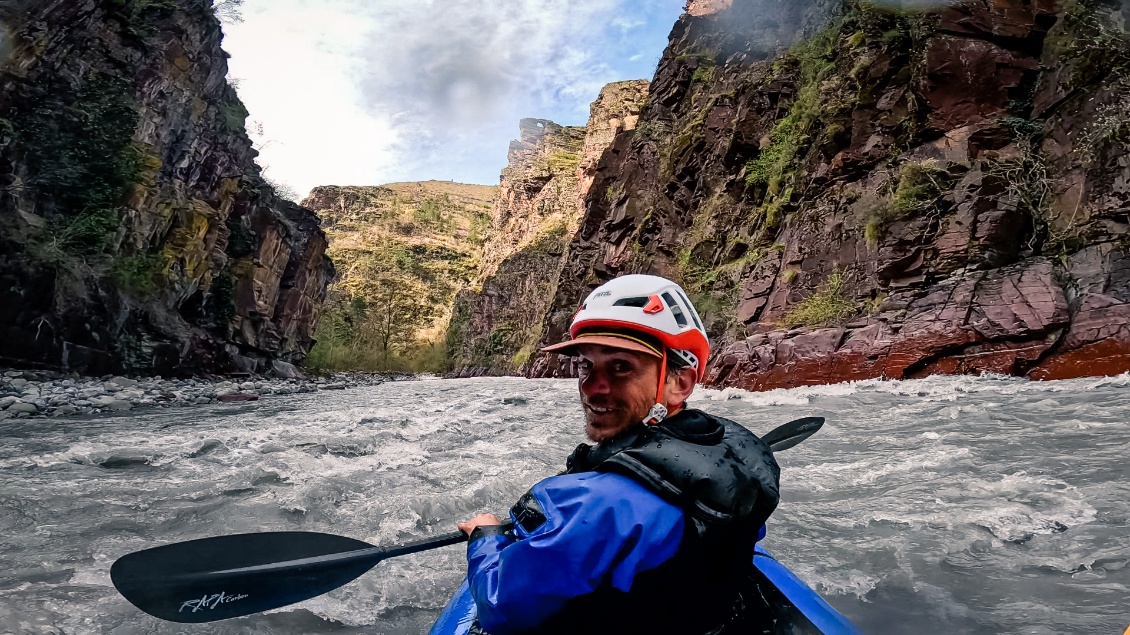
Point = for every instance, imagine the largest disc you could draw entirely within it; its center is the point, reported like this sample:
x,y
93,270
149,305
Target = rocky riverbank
x,y
34,394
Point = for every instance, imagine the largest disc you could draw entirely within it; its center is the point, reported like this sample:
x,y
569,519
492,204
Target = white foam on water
x,y
1026,506
877,468
933,388
777,397
841,582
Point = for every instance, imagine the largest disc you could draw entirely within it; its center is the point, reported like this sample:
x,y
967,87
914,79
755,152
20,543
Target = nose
x,y
594,382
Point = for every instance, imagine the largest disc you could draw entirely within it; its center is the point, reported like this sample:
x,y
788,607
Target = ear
x,y
679,386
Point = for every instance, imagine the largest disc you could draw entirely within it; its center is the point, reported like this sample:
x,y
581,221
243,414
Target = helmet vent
x,y
675,309
694,316
640,302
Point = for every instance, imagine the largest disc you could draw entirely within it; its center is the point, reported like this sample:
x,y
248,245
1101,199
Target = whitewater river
x,y
951,504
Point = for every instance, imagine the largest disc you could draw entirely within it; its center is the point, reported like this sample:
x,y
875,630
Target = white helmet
x,y
654,308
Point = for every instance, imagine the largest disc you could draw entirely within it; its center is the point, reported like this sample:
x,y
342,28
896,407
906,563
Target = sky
x,y
366,92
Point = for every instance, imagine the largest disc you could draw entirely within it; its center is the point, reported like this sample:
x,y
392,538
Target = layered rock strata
x,y
851,192
136,231
496,323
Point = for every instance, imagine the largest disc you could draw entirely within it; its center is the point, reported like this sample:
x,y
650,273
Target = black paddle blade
x,y
231,576
792,433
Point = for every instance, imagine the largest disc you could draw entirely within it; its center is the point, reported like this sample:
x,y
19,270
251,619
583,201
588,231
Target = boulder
x,y
237,397
21,407
285,370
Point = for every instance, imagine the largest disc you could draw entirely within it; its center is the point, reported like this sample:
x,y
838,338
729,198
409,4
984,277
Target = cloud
x,y
364,92
452,76
295,64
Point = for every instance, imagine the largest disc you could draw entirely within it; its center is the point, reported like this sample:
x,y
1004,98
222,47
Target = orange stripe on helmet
x,y
691,340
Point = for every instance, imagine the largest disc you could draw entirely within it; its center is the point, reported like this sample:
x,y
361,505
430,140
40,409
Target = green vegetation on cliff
x,y
77,141
402,252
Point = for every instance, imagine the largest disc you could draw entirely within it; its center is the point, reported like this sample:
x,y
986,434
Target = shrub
x,y
652,130
873,231
920,183
480,223
827,305
228,10
776,161
241,239
832,131
874,305
894,38
499,339
77,141
522,356
613,192
563,161
138,273
877,212
222,301
432,213
89,232
233,116
703,74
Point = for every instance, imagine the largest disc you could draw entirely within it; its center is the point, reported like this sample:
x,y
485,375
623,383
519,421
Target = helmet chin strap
x,y
658,412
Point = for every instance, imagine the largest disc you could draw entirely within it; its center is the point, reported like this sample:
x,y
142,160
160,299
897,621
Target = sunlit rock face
x,y
496,323
136,232
849,191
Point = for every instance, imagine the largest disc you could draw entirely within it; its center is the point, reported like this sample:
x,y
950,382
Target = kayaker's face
x,y
617,389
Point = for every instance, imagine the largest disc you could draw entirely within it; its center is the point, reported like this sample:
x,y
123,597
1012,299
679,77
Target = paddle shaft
x,y
376,554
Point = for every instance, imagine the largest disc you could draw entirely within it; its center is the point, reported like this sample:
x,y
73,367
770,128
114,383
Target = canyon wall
x,y
496,322
850,191
136,231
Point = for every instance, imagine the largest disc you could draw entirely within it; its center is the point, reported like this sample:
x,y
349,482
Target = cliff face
x,y
402,251
136,233
849,192
496,323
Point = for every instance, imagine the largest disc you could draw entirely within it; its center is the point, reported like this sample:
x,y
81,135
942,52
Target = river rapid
x,y
950,504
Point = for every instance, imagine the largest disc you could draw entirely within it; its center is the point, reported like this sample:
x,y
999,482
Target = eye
x,y
621,366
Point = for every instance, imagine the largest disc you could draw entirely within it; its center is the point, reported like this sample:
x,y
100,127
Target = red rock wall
x,y
951,183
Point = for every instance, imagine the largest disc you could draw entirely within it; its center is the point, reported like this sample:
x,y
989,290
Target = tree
x,y
395,309
228,10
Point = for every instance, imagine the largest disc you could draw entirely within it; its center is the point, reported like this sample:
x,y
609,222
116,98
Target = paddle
x,y
219,578
792,433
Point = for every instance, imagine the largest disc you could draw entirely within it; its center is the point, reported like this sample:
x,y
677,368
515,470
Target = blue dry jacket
x,y
649,532
599,527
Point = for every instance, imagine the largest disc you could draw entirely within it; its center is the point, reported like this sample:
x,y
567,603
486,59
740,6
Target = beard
x,y
605,419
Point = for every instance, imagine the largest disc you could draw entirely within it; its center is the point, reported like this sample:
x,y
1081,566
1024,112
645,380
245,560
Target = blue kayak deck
x,y
791,606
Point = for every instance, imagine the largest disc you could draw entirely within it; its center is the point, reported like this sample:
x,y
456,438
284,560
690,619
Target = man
x,y
652,529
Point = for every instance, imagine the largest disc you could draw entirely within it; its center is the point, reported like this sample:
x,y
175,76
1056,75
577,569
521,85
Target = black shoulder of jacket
x,y
716,469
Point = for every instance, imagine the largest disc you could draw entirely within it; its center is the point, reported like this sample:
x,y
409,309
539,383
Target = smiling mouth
x,y
599,410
